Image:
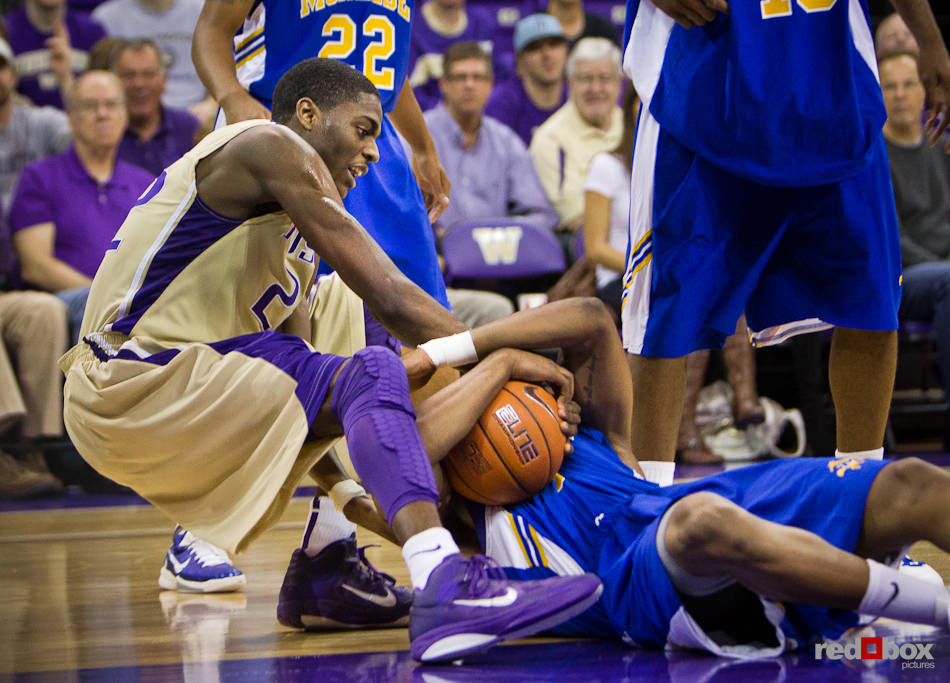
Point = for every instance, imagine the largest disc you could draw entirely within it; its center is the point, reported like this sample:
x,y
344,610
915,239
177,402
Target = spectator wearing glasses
x,y
67,208
588,124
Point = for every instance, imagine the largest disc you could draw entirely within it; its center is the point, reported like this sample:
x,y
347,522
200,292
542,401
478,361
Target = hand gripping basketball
x,y
513,451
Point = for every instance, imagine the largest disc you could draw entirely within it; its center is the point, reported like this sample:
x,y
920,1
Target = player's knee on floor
x,y
906,485
704,527
371,400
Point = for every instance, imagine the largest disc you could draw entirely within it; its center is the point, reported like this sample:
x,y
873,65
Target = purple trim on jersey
x,y
152,189
197,230
272,292
313,372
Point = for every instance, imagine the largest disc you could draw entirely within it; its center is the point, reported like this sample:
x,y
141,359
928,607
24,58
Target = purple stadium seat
x,y
500,248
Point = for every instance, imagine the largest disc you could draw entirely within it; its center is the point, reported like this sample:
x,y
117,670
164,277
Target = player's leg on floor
x,y
861,370
908,501
707,539
458,608
659,385
196,566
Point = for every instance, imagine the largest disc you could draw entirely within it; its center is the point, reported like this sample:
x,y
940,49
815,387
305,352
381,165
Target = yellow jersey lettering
x,y
382,48
404,10
816,5
783,8
775,8
308,6
342,33
843,465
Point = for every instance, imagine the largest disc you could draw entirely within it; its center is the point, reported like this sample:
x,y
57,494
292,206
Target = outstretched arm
x,y
432,179
212,53
933,64
270,167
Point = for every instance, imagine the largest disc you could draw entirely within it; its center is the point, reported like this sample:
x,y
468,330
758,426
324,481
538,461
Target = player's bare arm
x,y
213,55
592,351
271,167
933,65
432,179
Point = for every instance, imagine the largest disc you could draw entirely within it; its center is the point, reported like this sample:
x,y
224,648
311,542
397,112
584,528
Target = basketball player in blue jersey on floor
x,y
183,390
748,563
242,47
760,185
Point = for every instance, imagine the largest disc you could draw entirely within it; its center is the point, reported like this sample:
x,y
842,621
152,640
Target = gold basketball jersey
x,y
178,271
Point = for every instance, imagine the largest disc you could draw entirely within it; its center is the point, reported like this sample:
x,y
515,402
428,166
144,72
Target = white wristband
x,y
457,349
345,491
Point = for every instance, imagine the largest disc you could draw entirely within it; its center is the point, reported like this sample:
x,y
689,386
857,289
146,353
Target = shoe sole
x,y
227,584
459,645
313,623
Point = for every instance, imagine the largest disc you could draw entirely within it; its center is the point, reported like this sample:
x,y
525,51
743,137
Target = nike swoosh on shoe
x,y
509,596
388,600
176,565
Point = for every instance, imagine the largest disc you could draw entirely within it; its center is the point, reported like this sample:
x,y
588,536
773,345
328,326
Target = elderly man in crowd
x,y
157,135
589,123
67,208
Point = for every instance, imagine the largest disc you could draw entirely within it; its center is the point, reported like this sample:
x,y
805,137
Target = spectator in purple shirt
x,y
156,135
67,208
51,44
525,102
491,173
439,24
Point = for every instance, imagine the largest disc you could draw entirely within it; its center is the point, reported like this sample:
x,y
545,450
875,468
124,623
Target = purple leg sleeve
x,y
371,400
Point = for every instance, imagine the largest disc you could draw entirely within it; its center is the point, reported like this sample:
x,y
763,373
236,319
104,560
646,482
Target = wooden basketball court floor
x,y
79,601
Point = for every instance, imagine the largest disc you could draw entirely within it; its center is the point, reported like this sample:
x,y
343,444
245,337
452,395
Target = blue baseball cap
x,y
536,27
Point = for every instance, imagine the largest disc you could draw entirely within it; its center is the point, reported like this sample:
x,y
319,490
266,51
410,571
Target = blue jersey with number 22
x,y
372,36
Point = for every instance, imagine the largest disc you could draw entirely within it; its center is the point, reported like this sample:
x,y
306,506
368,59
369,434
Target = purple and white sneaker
x,y
196,566
468,606
340,589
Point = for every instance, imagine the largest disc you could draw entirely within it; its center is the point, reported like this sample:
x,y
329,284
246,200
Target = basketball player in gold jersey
x,y
183,390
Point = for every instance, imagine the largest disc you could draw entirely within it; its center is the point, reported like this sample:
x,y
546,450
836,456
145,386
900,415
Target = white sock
x,y
876,454
658,471
325,526
899,596
425,551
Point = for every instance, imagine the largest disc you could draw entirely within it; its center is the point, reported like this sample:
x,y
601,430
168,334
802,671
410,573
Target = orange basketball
x,y
513,451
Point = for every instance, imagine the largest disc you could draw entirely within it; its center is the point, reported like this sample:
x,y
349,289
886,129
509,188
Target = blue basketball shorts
x,y
706,245
824,496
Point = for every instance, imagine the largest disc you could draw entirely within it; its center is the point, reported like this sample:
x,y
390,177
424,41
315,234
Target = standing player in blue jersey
x,y
760,184
241,49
